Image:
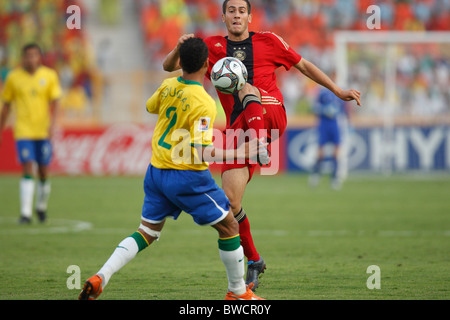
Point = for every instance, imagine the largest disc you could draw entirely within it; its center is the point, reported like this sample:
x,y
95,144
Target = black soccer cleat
x,y
254,269
24,220
42,215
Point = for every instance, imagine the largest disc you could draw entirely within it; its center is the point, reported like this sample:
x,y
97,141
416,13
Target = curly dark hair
x,y
193,54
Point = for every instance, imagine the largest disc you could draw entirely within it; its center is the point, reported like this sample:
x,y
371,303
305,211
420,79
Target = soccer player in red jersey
x,y
258,106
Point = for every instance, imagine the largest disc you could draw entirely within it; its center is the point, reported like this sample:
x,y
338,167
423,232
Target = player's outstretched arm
x,y
248,150
172,61
314,73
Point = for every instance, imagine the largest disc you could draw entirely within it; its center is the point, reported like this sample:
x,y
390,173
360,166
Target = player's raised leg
x,y
250,97
253,110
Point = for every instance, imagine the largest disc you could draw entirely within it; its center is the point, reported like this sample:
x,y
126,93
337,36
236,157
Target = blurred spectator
x,y
308,26
65,50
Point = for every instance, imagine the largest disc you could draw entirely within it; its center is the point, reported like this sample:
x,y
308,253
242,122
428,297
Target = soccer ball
x,y
229,75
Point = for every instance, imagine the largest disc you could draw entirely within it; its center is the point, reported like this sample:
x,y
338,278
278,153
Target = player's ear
x,y
250,18
223,18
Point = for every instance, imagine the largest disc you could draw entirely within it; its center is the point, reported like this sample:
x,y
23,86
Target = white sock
x,y
26,197
124,253
234,264
42,194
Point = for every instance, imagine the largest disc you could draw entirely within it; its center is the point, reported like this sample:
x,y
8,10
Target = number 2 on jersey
x,y
172,123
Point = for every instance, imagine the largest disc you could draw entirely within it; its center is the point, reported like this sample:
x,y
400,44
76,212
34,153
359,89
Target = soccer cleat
x,y
24,220
41,215
92,288
336,184
313,180
254,269
248,295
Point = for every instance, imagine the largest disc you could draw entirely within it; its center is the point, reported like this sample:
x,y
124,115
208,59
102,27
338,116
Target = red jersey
x,y
262,53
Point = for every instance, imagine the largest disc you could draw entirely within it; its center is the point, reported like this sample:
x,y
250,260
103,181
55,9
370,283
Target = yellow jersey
x,y
186,115
30,96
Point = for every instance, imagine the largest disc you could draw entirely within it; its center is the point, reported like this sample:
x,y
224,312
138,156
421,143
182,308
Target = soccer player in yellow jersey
x,y
33,91
178,178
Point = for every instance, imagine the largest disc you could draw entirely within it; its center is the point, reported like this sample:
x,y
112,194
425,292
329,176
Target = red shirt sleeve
x,y
283,54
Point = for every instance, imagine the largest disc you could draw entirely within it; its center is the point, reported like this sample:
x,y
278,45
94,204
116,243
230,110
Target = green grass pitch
x,y
318,243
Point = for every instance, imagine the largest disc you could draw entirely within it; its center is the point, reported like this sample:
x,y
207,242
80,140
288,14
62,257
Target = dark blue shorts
x,y
39,151
328,132
169,192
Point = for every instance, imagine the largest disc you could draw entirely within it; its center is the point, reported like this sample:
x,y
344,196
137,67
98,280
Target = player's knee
x,y
233,226
27,168
234,198
228,227
247,90
235,201
149,234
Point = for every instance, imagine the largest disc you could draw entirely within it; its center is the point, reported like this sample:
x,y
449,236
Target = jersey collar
x,y
189,82
251,34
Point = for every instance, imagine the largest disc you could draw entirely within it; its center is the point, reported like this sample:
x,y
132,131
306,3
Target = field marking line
x,y
54,226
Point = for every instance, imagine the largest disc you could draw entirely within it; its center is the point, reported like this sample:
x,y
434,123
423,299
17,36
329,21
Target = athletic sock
x,y
26,196
334,168
246,237
317,166
124,253
232,256
254,115
42,194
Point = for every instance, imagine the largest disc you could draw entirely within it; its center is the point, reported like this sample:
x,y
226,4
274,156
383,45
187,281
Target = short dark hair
x,y
31,46
224,6
193,54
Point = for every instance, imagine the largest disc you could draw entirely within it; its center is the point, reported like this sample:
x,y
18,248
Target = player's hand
x,y
349,95
183,38
253,149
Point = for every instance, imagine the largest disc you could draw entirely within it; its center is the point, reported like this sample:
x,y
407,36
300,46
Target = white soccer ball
x,y
229,75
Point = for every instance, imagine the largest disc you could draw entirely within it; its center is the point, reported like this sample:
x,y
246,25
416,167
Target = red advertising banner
x,y
123,149
9,162
120,149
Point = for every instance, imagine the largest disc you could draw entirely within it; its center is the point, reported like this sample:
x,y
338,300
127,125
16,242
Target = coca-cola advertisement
x,y
116,150
121,149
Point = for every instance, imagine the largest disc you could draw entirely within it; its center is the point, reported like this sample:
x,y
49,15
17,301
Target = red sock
x,y
246,238
254,115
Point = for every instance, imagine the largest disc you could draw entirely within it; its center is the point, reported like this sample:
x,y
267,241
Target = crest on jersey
x,y
240,54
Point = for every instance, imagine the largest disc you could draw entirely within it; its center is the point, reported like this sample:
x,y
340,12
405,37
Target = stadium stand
x,y
308,26
66,50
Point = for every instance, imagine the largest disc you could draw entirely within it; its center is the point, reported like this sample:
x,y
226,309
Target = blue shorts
x,y
169,192
329,132
39,151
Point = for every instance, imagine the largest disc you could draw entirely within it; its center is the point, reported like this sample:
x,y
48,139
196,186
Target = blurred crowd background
x,y
112,64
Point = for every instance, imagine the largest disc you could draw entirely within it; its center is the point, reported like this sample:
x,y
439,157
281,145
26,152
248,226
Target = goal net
x,y
404,78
